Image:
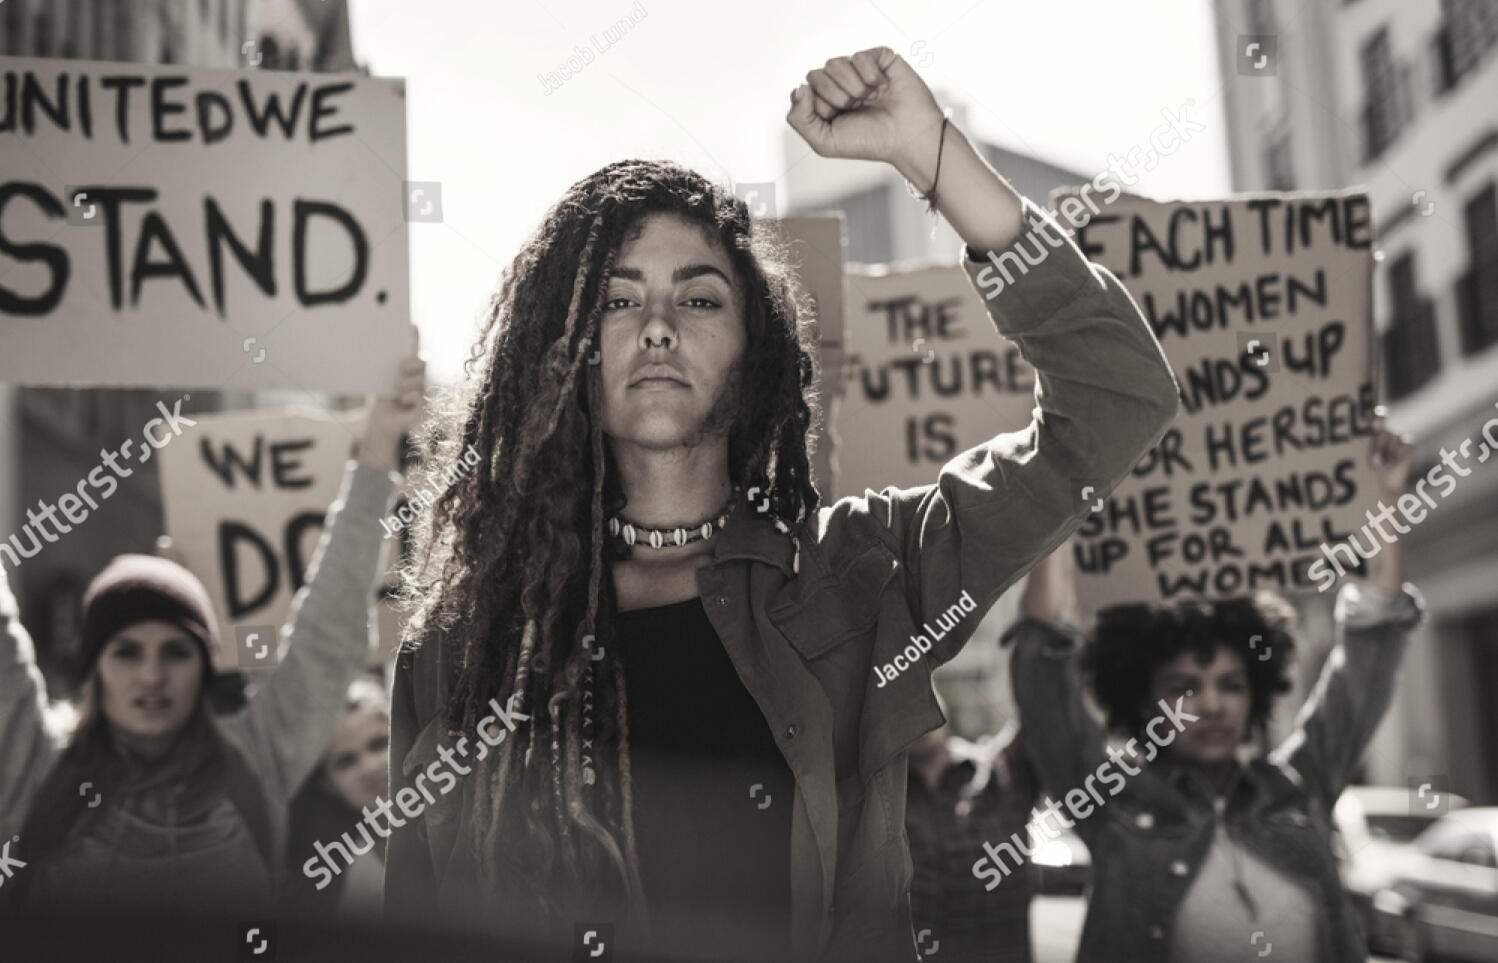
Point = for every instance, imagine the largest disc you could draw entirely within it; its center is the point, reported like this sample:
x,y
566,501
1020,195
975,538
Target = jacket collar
x,y
1188,780
751,535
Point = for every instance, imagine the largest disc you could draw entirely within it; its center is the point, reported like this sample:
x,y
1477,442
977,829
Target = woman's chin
x,y
660,431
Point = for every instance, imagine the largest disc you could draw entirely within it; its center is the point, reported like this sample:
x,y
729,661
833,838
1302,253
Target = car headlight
x,y
1389,902
1052,853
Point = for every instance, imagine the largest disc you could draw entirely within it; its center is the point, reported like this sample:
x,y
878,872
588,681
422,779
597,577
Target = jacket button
x,y
1145,820
1180,867
722,600
791,731
1157,932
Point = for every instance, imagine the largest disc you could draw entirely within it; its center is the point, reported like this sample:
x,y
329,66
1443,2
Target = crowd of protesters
x,y
707,765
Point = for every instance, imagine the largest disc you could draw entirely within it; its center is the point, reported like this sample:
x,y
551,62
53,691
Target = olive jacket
x,y
837,645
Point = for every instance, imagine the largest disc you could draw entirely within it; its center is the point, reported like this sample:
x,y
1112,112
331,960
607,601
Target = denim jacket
x,y
1152,833
806,634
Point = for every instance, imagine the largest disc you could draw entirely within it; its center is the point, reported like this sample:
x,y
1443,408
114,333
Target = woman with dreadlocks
x,y
653,693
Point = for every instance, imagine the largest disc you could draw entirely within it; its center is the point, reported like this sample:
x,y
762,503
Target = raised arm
x,y
28,747
1372,622
1062,740
1103,390
286,726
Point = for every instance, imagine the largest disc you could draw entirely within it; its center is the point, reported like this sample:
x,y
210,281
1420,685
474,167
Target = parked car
x,y
1374,827
1445,895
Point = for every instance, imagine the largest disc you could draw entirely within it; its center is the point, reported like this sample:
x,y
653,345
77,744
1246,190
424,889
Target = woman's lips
x,y
152,705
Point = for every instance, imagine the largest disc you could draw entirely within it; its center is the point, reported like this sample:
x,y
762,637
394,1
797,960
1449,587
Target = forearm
x,y
1060,736
1386,569
981,206
27,749
289,721
1337,722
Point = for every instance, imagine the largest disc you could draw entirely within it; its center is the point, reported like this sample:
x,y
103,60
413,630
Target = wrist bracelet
x,y
941,142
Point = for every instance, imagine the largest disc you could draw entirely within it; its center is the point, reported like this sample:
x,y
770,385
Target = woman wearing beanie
x,y
151,802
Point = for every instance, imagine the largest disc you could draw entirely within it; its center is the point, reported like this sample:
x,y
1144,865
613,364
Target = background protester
x,y
151,801
1198,856
962,793
349,781
711,756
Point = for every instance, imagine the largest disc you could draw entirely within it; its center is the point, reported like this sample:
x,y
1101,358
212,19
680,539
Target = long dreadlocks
x,y
508,568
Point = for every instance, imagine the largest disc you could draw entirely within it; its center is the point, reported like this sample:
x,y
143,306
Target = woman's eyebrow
x,y
677,276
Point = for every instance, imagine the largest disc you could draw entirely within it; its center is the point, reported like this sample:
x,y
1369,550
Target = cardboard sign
x,y
245,506
232,229
925,376
1262,305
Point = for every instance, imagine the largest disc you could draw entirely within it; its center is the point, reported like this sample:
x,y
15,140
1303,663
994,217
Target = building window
x,y
869,229
1481,632
1469,28
1477,289
1281,172
99,49
41,34
1409,342
1386,105
72,41
13,14
124,32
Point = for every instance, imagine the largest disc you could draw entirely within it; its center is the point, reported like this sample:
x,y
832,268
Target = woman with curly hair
x,y
649,680
1204,851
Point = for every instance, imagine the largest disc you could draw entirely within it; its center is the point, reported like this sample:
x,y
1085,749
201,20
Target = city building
x,y
1401,98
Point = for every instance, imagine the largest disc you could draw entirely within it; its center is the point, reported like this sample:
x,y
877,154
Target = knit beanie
x,y
134,588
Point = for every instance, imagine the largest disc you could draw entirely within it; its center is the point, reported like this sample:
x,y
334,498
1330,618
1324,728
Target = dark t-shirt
x,y
712,793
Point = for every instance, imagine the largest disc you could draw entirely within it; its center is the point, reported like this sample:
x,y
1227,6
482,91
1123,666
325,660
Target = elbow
x,y
1159,404
1164,398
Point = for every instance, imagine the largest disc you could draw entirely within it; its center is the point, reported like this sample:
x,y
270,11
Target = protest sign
x,y
245,508
925,376
236,229
1262,305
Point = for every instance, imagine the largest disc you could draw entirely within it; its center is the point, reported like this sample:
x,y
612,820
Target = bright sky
x,y
1069,81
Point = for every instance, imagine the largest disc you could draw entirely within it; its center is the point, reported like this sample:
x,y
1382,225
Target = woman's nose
x,y
153,671
659,330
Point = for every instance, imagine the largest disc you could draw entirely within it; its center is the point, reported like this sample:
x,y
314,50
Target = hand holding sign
x,y
1390,454
391,416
